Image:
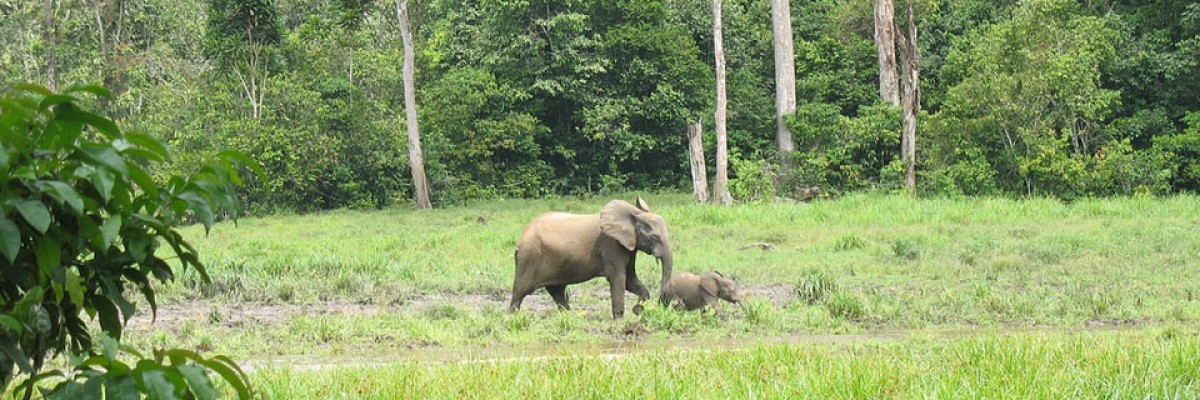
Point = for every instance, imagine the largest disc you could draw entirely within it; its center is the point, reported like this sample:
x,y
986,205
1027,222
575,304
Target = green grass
x,y
1161,364
913,263
439,280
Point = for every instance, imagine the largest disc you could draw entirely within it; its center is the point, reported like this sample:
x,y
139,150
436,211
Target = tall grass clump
x,y
906,248
815,286
849,242
845,305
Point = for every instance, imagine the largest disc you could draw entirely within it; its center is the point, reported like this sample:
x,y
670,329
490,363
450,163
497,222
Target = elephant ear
x,y
709,284
616,221
641,204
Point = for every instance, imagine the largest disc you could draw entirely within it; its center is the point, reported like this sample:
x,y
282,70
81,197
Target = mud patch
x,y
592,298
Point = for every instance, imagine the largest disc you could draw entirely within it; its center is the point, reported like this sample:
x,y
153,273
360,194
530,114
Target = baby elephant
x,y
691,292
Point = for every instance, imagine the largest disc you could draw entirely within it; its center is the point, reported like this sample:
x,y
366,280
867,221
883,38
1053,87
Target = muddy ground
x,y
592,299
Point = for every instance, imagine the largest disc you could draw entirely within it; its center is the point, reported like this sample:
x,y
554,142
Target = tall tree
x,y
885,43
108,15
721,186
415,158
350,16
242,35
699,174
785,75
50,34
910,80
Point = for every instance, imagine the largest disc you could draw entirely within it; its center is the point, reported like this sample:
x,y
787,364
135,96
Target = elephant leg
x,y
715,305
559,293
635,286
518,295
616,286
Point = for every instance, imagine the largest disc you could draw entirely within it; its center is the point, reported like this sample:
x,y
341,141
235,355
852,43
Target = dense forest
x,y
526,98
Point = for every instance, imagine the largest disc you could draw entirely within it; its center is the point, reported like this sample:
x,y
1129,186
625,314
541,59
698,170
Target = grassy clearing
x,y
864,263
1164,363
907,263
352,283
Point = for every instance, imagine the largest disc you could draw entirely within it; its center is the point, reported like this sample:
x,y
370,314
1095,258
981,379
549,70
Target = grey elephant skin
x,y
689,291
559,249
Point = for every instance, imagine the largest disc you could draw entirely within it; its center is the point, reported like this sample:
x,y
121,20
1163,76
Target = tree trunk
x,y
109,19
721,186
885,43
785,76
912,101
415,158
699,175
50,34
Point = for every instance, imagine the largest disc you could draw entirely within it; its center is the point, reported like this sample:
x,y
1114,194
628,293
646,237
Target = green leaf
x,y
180,356
127,308
9,348
71,390
143,284
10,239
24,172
110,320
66,194
49,255
233,376
56,99
102,180
7,321
158,387
197,379
151,143
102,124
244,160
200,206
143,180
34,88
121,387
74,286
141,154
104,155
35,214
111,229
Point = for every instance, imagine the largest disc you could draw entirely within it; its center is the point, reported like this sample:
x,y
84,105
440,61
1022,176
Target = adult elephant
x,y
559,249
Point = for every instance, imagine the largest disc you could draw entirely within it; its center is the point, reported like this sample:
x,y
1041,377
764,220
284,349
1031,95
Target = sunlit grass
x,y
860,263
1159,364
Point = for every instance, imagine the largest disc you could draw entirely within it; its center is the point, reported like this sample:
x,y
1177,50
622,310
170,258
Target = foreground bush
x,y
80,225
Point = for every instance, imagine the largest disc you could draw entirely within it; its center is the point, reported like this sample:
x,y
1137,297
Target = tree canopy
x,y
528,98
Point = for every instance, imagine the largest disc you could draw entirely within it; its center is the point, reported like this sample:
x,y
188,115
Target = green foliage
x,y
1028,96
1183,150
171,373
535,97
752,181
482,145
82,222
239,31
841,153
1121,170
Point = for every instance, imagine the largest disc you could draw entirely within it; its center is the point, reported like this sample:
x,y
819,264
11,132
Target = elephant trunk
x,y
668,261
